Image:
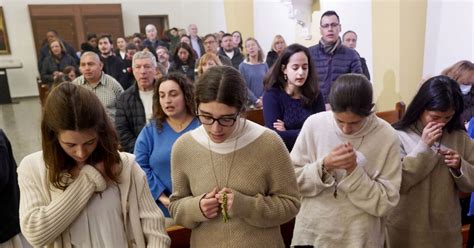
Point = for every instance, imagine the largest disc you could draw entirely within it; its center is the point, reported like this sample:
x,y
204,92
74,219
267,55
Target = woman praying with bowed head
x,y
80,191
228,190
438,162
173,115
348,169
291,93
184,60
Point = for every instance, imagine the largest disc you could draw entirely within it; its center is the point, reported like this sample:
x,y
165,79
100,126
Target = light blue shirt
x,y
153,154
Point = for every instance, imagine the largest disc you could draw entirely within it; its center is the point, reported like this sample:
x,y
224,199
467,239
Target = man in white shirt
x,y
196,42
228,50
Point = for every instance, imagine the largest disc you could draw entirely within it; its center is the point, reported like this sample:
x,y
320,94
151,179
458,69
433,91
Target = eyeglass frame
x,y
332,25
209,42
233,118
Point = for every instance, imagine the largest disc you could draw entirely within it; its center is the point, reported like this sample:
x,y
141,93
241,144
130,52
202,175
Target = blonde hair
x,y
204,59
459,69
275,39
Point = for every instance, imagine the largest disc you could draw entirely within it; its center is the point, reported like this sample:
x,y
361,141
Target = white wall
x,y
355,15
270,19
449,34
180,13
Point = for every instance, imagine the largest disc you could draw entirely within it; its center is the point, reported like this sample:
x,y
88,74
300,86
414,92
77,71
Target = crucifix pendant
x,y
225,216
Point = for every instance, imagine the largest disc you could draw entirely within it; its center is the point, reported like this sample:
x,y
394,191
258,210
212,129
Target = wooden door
x,y
74,21
64,25
160,22
103,25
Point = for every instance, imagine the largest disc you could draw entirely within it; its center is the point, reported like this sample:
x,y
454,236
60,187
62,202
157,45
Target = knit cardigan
x,y
355,218
261,179
46,213
429,213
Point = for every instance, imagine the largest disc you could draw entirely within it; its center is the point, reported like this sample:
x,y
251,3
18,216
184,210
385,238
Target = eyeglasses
x,y
332,25
209,42
223,121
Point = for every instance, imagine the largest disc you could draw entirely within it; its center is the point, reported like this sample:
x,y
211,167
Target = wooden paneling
x,y
64,25
103,24
74,21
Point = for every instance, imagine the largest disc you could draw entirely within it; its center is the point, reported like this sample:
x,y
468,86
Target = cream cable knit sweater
x,y
46,212
356,217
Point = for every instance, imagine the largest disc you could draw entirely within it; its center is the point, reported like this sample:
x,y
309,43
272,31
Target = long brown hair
x,y
72,107
61,44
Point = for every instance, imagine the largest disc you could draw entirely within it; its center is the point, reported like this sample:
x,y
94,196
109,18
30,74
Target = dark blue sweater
x,y
329,67
9,192
279,105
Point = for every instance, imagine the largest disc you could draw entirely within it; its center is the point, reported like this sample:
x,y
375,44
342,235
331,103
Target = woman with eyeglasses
x,y
233,182
347,165
173,116
437,162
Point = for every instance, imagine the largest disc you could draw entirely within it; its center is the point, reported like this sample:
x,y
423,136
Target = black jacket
x,y
236,59
44,52
129,117
9,192
468,112
114,67
272,56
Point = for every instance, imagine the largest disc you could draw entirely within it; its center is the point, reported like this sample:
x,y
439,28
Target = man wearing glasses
x,y
212,46
330,57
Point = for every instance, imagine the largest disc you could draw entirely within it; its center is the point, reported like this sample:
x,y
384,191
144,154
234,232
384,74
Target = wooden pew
x,y
392,116
180,236
255,115
43,90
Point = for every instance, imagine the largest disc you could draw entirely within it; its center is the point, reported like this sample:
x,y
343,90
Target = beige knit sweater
x,y
429,213
356,217
47,212
261,178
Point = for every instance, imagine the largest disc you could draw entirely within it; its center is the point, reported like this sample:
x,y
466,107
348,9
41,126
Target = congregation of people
x,y
142,133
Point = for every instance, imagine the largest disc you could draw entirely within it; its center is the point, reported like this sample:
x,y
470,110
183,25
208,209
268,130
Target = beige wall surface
x,y
398,34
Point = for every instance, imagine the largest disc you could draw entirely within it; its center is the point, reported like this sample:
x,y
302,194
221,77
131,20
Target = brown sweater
x,y
429,214
262,180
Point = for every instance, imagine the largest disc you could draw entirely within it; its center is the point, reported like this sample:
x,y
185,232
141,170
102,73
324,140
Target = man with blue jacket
x,y
330,56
